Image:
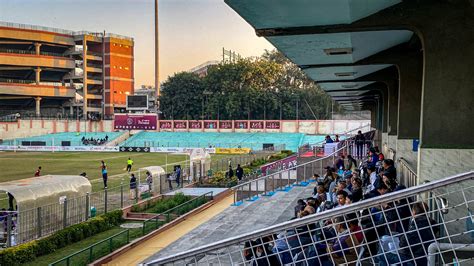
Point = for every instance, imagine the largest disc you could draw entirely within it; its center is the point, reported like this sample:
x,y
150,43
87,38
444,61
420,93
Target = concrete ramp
x,y
236,220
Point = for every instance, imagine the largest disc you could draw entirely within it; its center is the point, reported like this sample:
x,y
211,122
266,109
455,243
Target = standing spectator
x,y
103,168
239,172
149,180
129,164
230,173
329,139
359,141
133,186
337,138
106,138
38,171
178,175
10,201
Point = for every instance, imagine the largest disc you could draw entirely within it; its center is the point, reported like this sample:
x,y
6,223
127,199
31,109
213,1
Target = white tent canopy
x,y
155,171
33,192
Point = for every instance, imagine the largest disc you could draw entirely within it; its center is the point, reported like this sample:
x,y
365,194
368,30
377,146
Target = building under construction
x,y
60,73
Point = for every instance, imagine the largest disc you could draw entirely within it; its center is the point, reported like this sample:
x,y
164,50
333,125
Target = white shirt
x,y
372,178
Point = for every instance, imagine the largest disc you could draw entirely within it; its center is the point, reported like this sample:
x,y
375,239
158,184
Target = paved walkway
x,y
162,240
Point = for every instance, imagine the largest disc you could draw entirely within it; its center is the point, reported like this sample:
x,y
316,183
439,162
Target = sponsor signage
x,y
165,125
135,121
210,124
180,124
256,124
135,149
272,124
225,124
232,150
195,124
283,164
241,124
60,148
178,150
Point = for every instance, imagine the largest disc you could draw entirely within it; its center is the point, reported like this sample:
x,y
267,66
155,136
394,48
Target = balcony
x,y
30,88
30,59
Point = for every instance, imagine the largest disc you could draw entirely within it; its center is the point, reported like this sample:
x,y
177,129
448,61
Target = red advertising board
x,y
272,124
241,124
180,124
210,124
135,121
165,125
195,124
225,124
256,124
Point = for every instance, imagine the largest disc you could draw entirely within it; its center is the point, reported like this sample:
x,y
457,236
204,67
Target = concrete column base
x,y
434,164
405,151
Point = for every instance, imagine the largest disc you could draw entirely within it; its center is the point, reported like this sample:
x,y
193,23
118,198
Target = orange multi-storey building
x,y
54,72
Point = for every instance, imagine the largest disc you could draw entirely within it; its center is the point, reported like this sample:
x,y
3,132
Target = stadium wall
x,y
30,128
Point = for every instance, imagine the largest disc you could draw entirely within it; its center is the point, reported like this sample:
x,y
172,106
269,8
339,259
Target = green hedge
x,y
29,251
162,205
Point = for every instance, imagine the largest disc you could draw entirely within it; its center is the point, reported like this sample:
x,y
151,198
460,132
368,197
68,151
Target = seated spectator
x,y
328,178
357,193
316,177
389,169
380,190
337,138
373,178
300,205
413,245
341,198
373,158
354,228
281,248
319,193
339,165
311,205
352,163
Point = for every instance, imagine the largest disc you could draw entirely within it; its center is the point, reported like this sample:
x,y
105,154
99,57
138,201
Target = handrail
x,y
91,246
283,171
342,134
411,178
179,206
391,197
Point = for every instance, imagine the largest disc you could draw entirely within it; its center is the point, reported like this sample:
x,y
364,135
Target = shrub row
x,y
162,205
29,251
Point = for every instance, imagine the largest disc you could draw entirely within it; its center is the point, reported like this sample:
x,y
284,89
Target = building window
x,y
120,67
126,68
115,66
120,45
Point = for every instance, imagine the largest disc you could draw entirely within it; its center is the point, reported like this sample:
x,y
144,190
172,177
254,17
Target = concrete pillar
x,y
38,48
37,75
84,77
447,142
409,106
38,106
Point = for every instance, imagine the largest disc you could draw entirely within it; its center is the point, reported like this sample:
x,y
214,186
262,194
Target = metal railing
x,y
61,31
407,175
174,213
95,251
397,227
282,180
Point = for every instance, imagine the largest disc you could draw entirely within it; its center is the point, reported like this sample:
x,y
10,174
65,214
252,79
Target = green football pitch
x,y
19,165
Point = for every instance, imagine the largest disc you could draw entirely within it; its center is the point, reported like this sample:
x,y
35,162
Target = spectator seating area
x,y
66,139
387,234
254,141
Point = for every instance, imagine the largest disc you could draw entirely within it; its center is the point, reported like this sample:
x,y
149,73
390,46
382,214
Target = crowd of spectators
x,y
94,142
390,233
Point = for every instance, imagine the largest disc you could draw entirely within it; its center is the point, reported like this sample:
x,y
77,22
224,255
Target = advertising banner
x,y
195,124
241,124
272,124
135,149
225,124
60,148
210,124
135,121
232,150
286,163
256,124
165,125
178,150
180,124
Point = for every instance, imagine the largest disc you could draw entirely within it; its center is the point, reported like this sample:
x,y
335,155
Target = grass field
x,y
21,165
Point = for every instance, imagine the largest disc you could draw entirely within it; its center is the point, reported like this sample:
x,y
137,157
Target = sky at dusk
x,y
191,31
